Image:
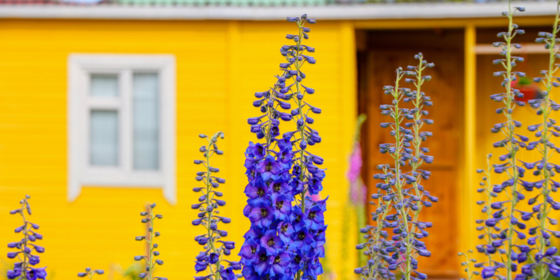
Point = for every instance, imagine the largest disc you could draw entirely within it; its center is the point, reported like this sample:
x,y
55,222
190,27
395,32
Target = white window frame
x,y
80,172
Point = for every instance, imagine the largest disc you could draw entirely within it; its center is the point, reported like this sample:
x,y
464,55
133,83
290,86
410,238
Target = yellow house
x,y
69,71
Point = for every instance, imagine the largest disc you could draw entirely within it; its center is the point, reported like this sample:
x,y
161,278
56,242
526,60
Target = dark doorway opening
x,y
380,52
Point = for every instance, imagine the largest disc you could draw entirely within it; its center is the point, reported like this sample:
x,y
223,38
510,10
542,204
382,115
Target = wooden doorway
x,y
379,54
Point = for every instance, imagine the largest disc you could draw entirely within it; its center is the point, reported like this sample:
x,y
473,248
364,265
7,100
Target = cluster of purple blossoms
x,y
545,259
211,258
394,240
503,226
511,244
544,255
287,231
25,248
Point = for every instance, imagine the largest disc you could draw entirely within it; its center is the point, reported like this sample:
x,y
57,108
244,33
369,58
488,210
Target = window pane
x,y
104,85
145,106
104,138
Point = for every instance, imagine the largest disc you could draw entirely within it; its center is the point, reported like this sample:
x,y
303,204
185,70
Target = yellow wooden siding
x,y
219,66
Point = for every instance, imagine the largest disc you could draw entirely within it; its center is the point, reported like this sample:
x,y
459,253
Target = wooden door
x,y
377,68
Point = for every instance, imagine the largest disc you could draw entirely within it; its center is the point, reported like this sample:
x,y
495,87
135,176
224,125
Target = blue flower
x,y
228,274
316,218
263,262
249,250
277,174
283,206
268,168
33,260
286,232
262,216
257,191
201,265
213,254
271,242
13,274
36,273
280,264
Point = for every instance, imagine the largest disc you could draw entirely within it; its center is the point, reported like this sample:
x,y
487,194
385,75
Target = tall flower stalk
x,y
150,260
26,248
508,234
212,257
468,263
401,192
420,197
287,227
487,234
543,260
379,247
305,172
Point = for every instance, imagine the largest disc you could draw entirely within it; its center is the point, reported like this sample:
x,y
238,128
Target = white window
x,y
121,119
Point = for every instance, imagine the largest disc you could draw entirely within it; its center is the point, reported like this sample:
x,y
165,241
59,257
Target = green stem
x,y
301,115
24,262
488,204
299,102
542,270
216,270
397,157
385,205
416,143
150,245
512,148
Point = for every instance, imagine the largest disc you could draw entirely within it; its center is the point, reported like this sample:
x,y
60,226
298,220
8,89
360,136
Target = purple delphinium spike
x,y
399,252
287,231
150,260
504,223
487,229
26,248
305,174
380,248
90,272
418,197
545,263
211,260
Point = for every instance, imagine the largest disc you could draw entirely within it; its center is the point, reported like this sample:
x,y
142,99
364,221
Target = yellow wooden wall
x,y
220,65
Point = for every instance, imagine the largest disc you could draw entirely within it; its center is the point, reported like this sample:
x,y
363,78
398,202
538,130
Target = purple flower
x,y
33,260
36,273
249,249
262,216
13,274
268,168
280,264
276,175
263,264
283,206
200,266
228,274
257,192
271,243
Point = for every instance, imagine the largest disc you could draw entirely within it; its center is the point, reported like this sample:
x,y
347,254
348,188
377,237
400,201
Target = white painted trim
x,y
80,173
530,48
326,12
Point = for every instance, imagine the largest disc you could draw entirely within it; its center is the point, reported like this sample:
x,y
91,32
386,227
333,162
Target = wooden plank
x,y
450,22
485,49
466,216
